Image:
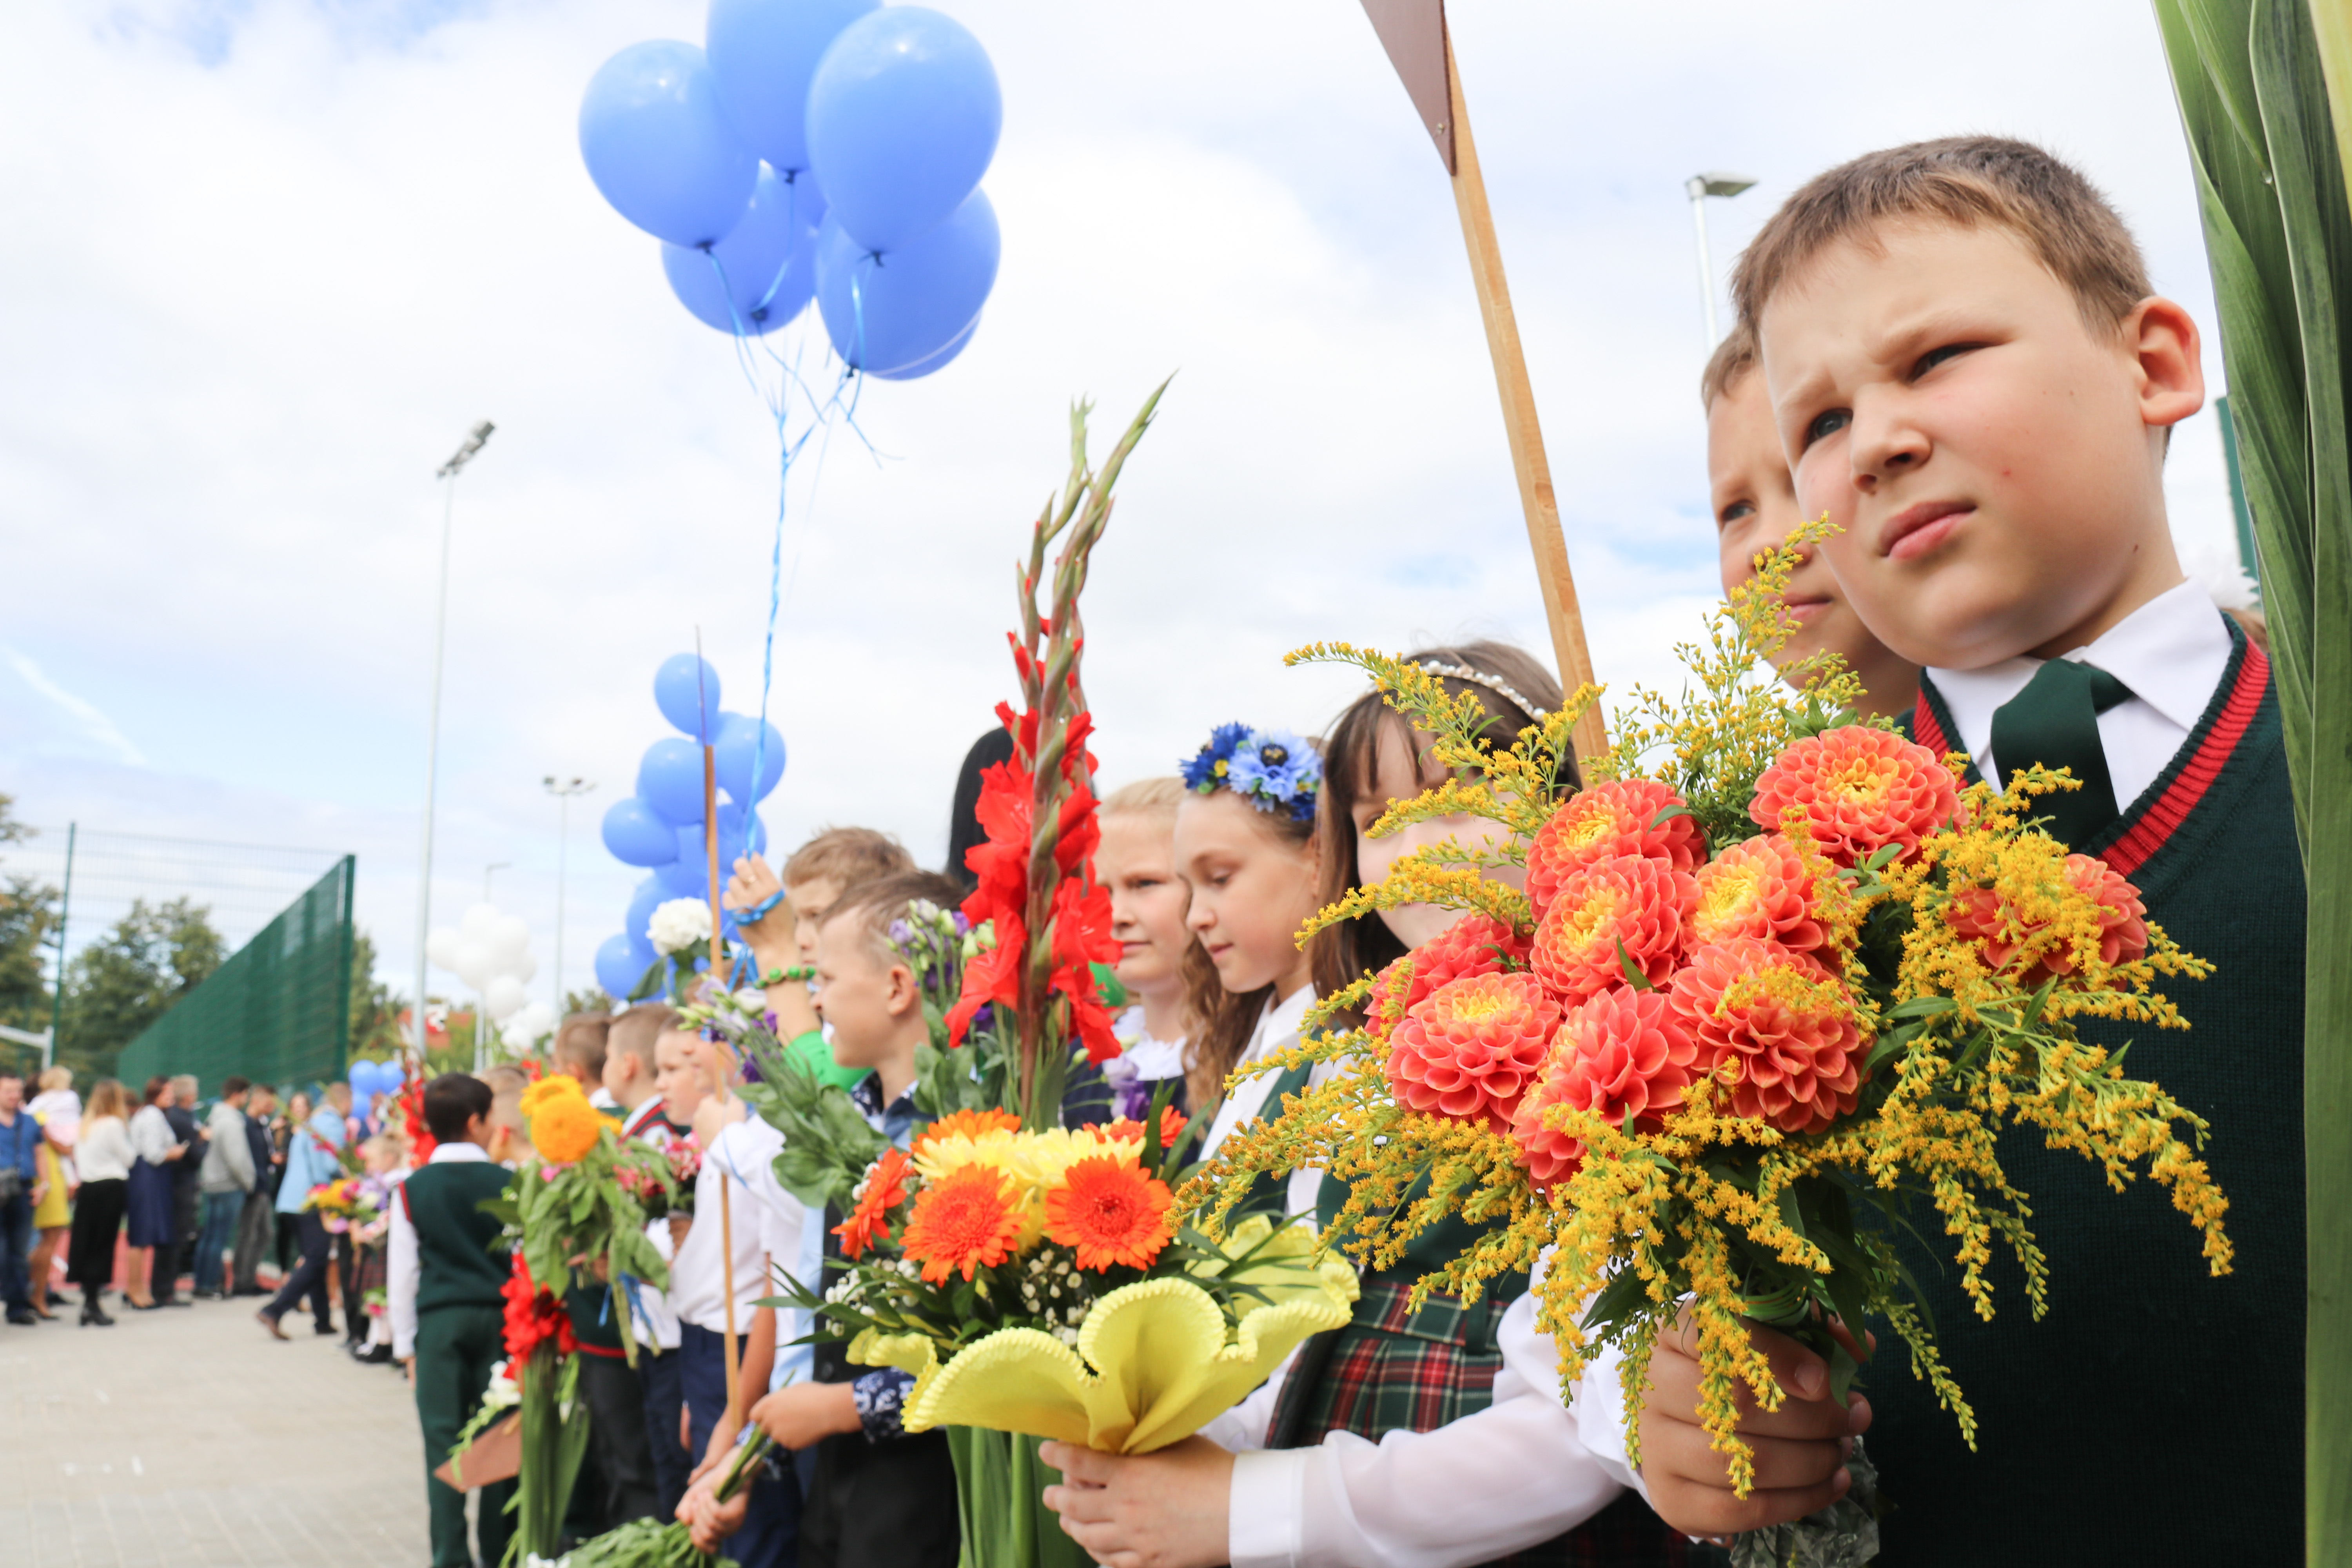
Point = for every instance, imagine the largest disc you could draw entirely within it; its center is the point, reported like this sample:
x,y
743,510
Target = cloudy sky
x,y
264,261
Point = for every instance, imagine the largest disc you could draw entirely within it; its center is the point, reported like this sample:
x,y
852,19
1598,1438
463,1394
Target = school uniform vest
x,y
2155,1415
460,1260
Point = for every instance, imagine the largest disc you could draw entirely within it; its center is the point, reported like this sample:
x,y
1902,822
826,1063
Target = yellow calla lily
x,y
1154,1361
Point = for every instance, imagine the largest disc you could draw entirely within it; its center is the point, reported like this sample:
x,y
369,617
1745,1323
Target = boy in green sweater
x,y
1973,378
446,1276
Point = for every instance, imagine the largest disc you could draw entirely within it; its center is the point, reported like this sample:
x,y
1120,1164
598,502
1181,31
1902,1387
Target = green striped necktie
x,y
2055,721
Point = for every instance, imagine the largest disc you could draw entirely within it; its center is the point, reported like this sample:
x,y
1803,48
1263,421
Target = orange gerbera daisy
x,y
967,1220
886,1189
972,1124
1109,1212
1860,788
1127,1129
1619,817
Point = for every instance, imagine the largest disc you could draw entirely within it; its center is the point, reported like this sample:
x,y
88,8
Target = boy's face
x,y
677,1073
1995,465
1137,861
811,900
866,1000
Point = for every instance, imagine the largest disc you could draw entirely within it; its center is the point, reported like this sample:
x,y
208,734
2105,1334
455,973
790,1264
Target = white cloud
x,y
264,262
89,726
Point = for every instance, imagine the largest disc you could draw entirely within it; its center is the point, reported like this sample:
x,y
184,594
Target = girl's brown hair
x,y
155,1087
1218,1021
1340,954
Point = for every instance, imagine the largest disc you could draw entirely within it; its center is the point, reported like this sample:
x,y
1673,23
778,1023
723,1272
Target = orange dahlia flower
x,y
968,1220
1999,932
1109,1213
1474,945
1860,788
564,1127
1473,1047
970,1124
1757,888
1618,818
1623,1052
1629,908
1775,1026
886,1189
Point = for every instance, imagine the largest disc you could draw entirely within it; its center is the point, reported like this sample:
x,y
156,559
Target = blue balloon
x,y
763,53
636,836
638,921
903,116
887,315
769,263
734,842
742,739
689,875
659,147
923,367
617,969
684,689
670,781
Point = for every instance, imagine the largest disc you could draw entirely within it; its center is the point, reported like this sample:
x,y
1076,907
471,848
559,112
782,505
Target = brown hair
x,y
1341,953
874,903
849,855
1218,1023
1731,363
156,1086
1967,180
633,1032
580,1042
106,1099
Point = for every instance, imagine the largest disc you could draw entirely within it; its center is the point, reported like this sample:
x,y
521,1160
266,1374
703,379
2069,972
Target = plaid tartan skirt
x,y
1392,1370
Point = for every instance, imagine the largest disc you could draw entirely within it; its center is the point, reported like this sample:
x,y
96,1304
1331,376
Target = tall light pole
x,y
562,790
1700,187
448,473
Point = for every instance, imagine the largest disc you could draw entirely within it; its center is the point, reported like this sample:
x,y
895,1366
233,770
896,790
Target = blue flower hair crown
x,y
1274,770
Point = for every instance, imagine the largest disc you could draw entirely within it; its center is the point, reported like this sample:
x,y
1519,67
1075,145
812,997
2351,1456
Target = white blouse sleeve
x,y
150,1135
1497,1481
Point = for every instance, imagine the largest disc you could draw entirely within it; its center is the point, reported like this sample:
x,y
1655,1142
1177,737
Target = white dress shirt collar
x,y
2171,652
457,1154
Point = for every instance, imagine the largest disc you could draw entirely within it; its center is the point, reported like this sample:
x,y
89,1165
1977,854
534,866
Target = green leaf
x,y
1634,977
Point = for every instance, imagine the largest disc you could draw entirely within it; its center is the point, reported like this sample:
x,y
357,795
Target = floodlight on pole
x,y
562,790
448,473
1698,187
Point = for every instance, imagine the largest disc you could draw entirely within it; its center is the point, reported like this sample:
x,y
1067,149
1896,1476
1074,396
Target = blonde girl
x,y
1136,860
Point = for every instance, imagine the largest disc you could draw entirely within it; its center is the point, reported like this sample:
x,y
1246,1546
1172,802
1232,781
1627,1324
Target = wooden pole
x,y
1519,424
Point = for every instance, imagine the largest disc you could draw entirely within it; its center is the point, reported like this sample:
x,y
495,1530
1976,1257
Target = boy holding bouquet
x,y
1972,377
447,1271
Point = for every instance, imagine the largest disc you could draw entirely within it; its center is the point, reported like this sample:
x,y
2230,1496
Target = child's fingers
x,y
1710,1512
1673,1393
1087,1505
1082,1467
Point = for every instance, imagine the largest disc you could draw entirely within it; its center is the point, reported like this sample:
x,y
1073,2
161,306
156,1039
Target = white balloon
x,y
475,964
441,947
511,936
502,996
478,923
523,969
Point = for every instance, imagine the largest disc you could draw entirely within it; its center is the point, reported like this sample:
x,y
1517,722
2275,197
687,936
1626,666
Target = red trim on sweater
x,y
2171,808
611,1352
1927,731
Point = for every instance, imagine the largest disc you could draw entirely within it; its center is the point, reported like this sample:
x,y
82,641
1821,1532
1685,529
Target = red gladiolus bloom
x,y
886,1189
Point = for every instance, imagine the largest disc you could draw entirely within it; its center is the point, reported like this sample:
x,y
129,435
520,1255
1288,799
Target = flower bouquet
x,y
543,1359
660,1199
489,1446
1777,981
652,1543
341,1202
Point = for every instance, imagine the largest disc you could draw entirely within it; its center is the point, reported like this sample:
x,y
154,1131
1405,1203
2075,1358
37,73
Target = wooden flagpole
x,y
1414,34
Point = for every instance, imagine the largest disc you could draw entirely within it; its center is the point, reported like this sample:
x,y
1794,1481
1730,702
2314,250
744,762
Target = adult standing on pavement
x,y
180,1110
226,1179
20,1175
286,1240
104,1154
52,1205
309,1161
257,1221
148,1202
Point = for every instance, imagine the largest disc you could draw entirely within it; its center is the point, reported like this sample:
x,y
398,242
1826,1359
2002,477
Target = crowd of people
x,y
1896,321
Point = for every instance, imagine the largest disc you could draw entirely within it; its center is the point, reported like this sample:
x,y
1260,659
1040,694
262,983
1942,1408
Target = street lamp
x,y
562,790
1700,187
482,998
447,472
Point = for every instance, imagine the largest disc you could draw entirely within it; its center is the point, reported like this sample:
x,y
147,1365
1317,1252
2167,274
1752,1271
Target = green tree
x,y
28,920
592,1000
115,987
375,1007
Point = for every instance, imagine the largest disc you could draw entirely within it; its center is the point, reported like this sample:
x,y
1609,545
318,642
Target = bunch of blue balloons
x,y
370,1079
660,828
812,148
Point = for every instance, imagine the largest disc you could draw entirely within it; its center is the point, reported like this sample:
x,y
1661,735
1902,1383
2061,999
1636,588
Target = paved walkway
x,y
189,1437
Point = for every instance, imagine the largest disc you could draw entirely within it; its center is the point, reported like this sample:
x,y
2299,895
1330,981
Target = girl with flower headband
x,y
1434,1439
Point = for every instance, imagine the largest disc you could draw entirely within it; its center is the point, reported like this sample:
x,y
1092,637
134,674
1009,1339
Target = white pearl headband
x,y
1491,682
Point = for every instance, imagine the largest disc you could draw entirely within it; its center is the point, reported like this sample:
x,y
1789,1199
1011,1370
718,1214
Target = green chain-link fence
x,y
280,1011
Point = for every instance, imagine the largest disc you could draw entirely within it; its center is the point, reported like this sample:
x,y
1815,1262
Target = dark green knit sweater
x,y
2155,1416
455,1240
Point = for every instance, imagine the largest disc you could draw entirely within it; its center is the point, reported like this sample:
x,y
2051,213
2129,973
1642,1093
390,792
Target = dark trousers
x,y
16,1251
97,1222
347,1268
173,1261
287,1239
456,1348
659,1376
882,1504
771,1520
310,1279
616,1432
216,1236
255,1224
